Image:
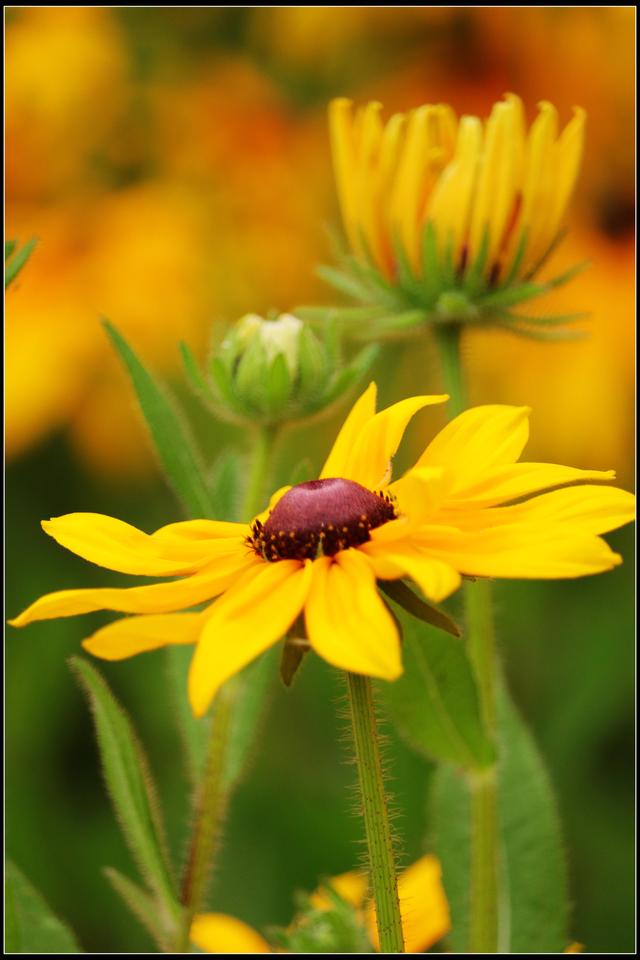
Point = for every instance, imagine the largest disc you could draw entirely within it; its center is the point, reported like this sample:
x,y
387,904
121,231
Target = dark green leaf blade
x,y
533,874
171,436
534,857
398,591
141,905
128,780
434,704
17,259
31,927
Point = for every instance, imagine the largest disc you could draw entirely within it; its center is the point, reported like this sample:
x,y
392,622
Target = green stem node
x,y
375,813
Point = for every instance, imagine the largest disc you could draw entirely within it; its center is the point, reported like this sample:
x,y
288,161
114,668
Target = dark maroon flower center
x,y
320,517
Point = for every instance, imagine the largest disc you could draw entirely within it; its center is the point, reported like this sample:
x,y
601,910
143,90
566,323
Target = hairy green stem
x,y
261,455
210,810
484,827
483,934
375,814
213,795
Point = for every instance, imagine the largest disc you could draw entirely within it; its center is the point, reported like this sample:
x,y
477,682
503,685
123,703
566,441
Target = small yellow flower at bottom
x,y
467,507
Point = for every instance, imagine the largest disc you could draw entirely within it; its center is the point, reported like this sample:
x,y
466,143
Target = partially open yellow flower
x,y
423,907
464,176
451,211
466,507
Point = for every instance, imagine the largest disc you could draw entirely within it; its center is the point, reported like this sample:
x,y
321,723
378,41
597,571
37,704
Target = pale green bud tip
x,y
281,335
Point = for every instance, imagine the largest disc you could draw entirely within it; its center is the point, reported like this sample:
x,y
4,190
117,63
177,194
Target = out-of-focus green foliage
x,y
30,925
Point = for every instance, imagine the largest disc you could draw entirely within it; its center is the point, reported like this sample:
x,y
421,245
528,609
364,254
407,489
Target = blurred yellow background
x,y
174,165
176,172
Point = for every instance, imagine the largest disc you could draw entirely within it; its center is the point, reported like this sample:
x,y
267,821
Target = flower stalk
x,y
210,811
375,814
483,934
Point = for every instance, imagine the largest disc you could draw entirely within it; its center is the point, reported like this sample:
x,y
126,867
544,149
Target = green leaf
x,y
312,362
450,819
545,320
279,385
191,369
170,434
343,282
509,297
398,591
516,263
128,780
538,265
431,276
434,704
141,905
250,380
406,277
222,382
535,887
538,333
353,373
567,275
532,868
474,275
16,263
31,927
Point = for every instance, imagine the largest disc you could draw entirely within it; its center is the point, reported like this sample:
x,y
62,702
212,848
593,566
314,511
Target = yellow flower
x,y
463,176
423,907
466,507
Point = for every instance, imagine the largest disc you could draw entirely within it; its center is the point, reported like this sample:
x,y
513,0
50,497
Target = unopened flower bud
x,y
269,371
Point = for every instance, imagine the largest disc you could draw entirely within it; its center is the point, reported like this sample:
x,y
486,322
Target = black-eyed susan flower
x,y
449,219
340,918
466,507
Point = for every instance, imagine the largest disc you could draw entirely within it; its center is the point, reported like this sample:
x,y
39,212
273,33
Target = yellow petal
x,y
568,157
118,546
539,179
156,598
131,635
495,192
405,205
423,907
200,530
525,551
351,886
419,493
436,578
516,480
251,616
342,138
347,623
477,441
450,203
219,933
362,411
585,509
368,460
